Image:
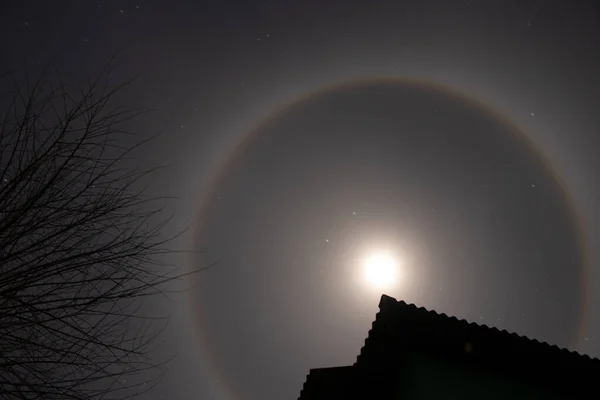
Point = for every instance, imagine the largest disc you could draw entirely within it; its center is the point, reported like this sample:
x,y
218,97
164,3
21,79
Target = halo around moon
x,y
381,269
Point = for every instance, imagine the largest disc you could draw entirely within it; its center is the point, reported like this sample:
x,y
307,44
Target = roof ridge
x,y
387,299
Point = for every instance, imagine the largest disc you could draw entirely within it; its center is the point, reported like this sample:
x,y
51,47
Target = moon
x,y
381,270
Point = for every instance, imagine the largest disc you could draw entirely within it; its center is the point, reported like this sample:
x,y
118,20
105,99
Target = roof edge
x,y
387,302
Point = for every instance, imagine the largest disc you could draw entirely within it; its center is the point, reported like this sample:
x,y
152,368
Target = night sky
x,y
461,137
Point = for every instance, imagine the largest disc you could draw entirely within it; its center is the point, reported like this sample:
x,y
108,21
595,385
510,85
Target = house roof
x,y
405,327
403,333
327,383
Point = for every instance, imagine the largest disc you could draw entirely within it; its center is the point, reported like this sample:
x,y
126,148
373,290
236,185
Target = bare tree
x,y
80,244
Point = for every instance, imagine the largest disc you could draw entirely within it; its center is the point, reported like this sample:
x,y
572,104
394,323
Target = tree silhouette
x,y
80,244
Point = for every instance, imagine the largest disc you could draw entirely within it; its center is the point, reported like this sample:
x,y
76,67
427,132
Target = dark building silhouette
x,y
413,353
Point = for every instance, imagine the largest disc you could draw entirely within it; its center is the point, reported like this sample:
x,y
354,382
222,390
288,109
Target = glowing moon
x,y
381,270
